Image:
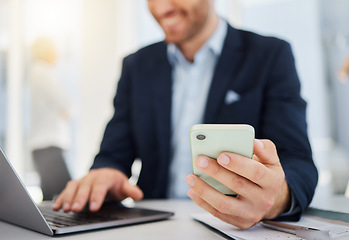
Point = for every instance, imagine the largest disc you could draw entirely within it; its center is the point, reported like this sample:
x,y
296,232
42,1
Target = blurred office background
x,y
92,37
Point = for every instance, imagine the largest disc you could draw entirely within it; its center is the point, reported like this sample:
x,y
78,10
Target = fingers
x,y
132,191
97,196
118,190
260,170
65,198
82,195
242,168
242,175
209,194
229,209
246,177
235,179
76,194
258,182
265,152
94,187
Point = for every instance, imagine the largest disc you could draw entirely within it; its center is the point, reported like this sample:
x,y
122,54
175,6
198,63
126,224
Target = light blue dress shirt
x,y
190,88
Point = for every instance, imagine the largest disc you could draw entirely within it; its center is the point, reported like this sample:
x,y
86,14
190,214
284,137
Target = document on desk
x,y
317,228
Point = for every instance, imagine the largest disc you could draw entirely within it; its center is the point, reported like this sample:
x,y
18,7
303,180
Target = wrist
x,y
282,203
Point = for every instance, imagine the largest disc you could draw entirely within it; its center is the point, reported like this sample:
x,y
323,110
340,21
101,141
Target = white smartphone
x,y
212,139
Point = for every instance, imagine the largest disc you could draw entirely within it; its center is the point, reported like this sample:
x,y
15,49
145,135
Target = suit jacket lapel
x,y
226,70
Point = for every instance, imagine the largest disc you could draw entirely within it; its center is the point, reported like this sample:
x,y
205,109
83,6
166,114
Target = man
x,y
205,72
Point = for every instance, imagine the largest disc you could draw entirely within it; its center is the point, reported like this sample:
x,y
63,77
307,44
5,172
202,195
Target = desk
x,y
180,226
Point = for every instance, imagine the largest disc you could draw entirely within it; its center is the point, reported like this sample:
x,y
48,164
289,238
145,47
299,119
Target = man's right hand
x,y
94,188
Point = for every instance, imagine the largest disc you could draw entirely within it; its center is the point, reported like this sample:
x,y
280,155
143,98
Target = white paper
x,y
337,231
257,232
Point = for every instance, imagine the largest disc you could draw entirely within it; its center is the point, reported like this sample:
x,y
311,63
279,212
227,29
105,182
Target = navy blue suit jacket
x,y
260,69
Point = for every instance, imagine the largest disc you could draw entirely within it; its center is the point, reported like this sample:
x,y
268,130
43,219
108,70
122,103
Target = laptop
x,y
17,207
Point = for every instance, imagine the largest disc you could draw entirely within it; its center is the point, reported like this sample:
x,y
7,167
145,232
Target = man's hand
x,y
260,183
95,187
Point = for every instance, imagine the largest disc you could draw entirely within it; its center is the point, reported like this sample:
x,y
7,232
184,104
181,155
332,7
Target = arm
x,y
117,148
284,123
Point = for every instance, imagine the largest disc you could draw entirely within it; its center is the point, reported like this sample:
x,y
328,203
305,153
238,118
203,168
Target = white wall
x,y
108,35
14,139
97,76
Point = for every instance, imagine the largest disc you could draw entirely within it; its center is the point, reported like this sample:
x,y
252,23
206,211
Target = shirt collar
x,y
214,43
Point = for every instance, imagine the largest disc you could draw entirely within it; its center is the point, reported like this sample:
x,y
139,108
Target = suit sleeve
x,y
117,149
284,122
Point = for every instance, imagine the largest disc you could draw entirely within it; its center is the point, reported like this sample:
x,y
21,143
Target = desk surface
x,y
180,226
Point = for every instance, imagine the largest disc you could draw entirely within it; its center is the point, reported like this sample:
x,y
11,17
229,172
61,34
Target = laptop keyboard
x,y
61,219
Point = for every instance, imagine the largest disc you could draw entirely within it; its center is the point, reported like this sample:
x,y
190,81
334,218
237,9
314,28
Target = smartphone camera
x,y
201,137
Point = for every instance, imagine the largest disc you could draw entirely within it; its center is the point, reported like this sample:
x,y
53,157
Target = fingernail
x,y
75,205
190,194
93,206
190,181
223,159
55,205
202,162
260,143
66,206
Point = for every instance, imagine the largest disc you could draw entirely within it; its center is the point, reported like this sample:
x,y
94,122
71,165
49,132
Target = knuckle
x,y
224,207
216,170
270,143
71,183
243,226
267,203
239,161
82,195
199,189
82,199
99,189
238,183
98,182
252,218
246,224
93,172
256,219
59,200
277,184
215,213
259,174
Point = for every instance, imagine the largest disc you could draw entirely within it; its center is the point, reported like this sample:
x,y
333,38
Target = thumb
x,y
265,152
132,191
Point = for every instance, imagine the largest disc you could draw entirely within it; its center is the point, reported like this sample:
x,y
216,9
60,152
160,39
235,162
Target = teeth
x,y
170,21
